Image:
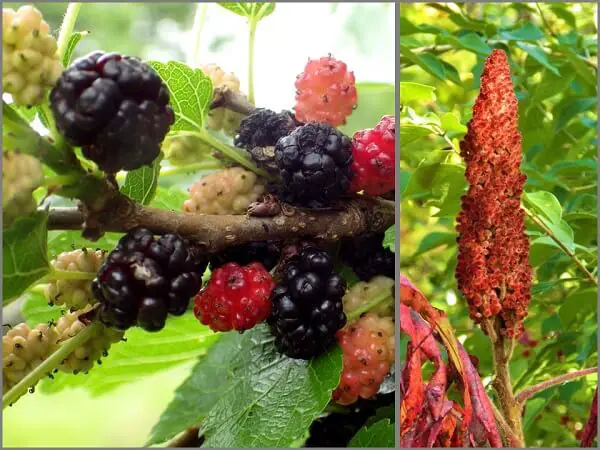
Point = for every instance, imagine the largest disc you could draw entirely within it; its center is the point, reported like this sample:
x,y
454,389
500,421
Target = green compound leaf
x,y
416,92
432,64
140,184
255,11
378,435
25,254
191,92
434,240
528,32
539,55
73,41
546,204
450,122
182,340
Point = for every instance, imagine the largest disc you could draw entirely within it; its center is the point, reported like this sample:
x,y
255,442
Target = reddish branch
x,y
215,232
530,392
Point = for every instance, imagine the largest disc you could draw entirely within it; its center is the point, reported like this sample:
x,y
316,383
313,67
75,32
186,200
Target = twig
x,y
223,97
544,21
526,394
502,382
187,439
215,232
563,247
49,364
510,437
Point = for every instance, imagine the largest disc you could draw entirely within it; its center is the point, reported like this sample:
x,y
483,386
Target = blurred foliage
x,y
552,52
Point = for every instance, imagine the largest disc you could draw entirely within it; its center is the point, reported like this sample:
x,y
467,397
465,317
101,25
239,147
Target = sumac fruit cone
x,y
493,272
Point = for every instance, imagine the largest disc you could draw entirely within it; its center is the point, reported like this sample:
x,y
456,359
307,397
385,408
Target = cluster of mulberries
x,y
493,271
325,92
23,349
115,107
21,175
83,358
228,191
146,278
307,304
314,164
30,64
236,297
368,343
368,347
74,293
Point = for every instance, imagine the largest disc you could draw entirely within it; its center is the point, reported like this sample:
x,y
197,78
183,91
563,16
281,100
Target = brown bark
x,y
215,232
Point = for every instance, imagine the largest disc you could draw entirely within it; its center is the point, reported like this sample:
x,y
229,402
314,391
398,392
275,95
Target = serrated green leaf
x,y
24,254
546,204
256,11
73,41
140,184
378,435
191,92
539,55
272,399
410,92
182,340
210,378
389,239
528,32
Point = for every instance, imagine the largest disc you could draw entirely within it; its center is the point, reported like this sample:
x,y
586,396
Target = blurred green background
x,y
552,53
118,403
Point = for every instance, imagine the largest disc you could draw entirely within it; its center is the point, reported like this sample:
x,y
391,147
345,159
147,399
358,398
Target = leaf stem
x,y
194,167
381,298
58,274
252,23
228,151
66,28
526,394
46,367
535,219
193,59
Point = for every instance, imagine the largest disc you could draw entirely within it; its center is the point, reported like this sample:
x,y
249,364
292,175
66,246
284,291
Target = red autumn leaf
x,y
425,418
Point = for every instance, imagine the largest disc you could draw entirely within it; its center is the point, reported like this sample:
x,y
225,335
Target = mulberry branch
x,y
215,232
